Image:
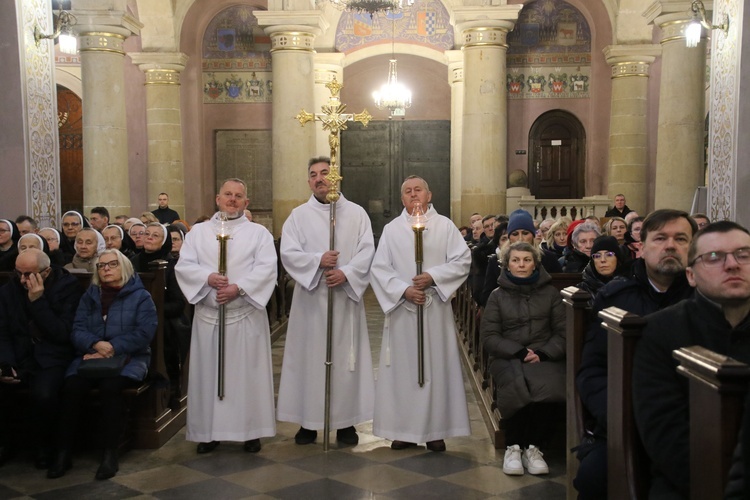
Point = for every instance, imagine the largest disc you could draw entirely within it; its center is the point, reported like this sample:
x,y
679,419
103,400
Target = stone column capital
x,y
672,17
455,59
311,23
161,68
484,26
101,21
631,60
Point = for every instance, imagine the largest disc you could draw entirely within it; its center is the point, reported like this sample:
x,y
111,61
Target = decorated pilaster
x,y
628,137
729,126
292,40
101,34
455,60
328,66
485,110
679,146
164,126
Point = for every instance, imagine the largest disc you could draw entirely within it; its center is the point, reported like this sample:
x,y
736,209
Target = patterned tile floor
x,y
469,469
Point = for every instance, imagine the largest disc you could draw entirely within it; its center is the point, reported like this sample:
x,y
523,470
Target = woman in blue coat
x,y
115,317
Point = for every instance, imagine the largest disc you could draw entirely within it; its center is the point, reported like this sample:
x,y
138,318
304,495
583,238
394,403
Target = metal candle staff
x,y
223,236
417,225
334,121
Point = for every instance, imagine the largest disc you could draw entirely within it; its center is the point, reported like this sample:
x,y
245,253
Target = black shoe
x,y
109,466
438,445
60,464
6,453
401,445
305,436
347,436
252,446
207,447
43,458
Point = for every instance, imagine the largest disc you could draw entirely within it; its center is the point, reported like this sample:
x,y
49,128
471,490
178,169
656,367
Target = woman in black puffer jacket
x,y
605,263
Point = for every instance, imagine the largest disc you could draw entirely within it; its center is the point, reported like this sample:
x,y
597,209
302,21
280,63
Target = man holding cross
x,y
315,268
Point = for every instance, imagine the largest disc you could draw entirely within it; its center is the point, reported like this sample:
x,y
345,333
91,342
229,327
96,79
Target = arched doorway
x,y
557,142
70,122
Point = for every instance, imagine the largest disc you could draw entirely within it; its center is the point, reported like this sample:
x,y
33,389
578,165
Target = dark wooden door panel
x,y
557,162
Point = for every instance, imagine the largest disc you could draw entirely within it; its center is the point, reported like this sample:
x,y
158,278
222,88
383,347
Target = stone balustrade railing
x,y
556,208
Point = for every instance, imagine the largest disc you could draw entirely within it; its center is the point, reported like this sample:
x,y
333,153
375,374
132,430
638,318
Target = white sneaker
x,y
512,464
533,461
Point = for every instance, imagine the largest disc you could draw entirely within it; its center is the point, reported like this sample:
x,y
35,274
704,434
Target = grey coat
x,y
518,317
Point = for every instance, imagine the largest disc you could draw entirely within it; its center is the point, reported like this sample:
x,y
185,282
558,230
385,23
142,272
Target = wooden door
x,y
70,122
557,160
376,159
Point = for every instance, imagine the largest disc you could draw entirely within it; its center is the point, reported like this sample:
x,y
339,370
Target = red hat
x,y
571,227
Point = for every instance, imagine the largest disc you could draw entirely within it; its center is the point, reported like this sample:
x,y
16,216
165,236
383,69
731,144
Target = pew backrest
x,y
718,385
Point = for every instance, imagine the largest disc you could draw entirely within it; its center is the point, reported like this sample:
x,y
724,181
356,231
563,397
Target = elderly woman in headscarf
x,y
116,238
72,222
177,235
157,245
52,237
138,232
9,237
89,244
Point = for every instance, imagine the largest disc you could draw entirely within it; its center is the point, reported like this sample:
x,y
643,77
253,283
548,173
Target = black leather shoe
x,y
60,464
438,445
347,436
401,445
43,458
109,466
252,446
305,436
207,447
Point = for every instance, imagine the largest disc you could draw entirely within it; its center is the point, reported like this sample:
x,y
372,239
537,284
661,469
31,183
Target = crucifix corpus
x,y
334,120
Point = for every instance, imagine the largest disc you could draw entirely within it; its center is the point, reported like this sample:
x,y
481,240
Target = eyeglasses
x,y
71,224
26,275
4,230
719,258
599,255
152,235
138,233
112,265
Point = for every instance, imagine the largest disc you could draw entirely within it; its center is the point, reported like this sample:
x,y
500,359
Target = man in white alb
x,y
315,268
246,413
405,412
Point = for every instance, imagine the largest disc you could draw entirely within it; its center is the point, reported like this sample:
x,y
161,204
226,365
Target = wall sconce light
x,y
64,23
695,27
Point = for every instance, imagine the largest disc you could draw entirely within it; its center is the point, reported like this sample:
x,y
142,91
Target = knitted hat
x,y
521,219
571,227
606,243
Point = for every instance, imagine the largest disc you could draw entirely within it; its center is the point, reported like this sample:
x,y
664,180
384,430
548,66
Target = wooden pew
x,y
152,422
577,312
466,313
718,386
627,464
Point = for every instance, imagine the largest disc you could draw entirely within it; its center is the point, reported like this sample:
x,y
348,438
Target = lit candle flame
x,y
417,217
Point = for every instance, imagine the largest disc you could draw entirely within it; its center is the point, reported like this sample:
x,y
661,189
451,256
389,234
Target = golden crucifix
x,y
334,121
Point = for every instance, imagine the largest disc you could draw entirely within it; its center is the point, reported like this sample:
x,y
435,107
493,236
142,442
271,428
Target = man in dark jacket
x,y
717,318
657,281
163,213
37,309
620,209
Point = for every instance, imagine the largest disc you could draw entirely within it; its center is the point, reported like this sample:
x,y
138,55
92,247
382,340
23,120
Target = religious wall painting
x,y
236,58
549,52
425,23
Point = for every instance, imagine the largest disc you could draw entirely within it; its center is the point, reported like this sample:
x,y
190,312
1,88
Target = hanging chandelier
x,y
393,95
370,6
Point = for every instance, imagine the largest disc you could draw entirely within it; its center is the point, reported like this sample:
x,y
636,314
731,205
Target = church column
x,y
105,137
628,138
485,122
455,60
679,147
327,66
292,40
164,126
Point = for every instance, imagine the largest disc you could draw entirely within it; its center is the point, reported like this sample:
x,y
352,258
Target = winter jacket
x,y
573,261
518,317
549,263
130,326
633,294
37,334
661,395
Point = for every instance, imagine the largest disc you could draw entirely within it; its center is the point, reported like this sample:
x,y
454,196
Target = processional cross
x,y
334,119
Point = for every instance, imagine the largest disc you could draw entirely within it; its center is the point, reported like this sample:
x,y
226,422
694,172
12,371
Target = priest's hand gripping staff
x,y
223,235
417,220
334,121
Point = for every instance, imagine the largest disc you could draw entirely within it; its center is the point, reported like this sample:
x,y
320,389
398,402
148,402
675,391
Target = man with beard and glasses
x,y
657,280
